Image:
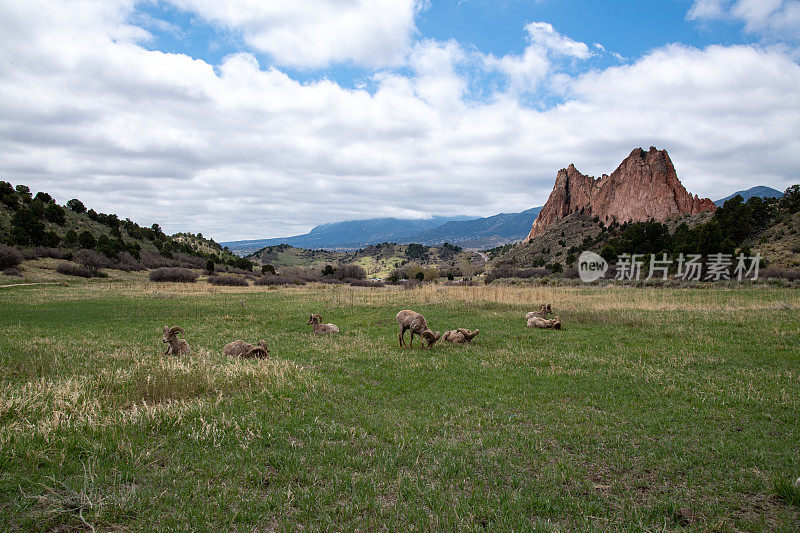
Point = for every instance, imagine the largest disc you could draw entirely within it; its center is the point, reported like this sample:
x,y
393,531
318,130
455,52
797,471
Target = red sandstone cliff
x,y
644,186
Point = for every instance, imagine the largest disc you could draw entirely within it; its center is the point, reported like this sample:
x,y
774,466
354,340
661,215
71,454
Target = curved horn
x,y
257,351
176,329
471,334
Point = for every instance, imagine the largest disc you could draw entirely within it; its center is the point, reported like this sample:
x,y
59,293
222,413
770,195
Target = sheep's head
x,y
430,337
263,344
557,322
547,308
313,319
171,333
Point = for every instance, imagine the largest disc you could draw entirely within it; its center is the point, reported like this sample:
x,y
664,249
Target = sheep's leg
x,y
401,337
412,339
168,349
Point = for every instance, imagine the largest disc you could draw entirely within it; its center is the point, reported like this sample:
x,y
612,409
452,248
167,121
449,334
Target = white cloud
x,y
546,46
773,19
316,33
239,151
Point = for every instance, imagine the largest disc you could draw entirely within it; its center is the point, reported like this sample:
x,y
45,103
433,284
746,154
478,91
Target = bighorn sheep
x,y
321,329
538,322
244,349
416,323
541,313
460,335
176,346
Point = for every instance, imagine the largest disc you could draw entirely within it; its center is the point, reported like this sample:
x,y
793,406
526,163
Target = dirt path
x,y
36,283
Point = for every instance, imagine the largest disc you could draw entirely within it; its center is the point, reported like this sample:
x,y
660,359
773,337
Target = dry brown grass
x,y
564,298
130,385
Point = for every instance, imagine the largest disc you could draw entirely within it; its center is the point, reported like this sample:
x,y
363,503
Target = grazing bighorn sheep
x,y
245,349
541,313
416,323
460,335
538,322
321,329
176,346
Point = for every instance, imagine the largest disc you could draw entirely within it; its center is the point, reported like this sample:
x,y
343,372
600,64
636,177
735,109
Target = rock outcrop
x,y
645,186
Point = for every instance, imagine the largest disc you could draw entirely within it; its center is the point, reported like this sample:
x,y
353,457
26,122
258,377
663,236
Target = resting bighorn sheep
x,y
541,313
460,335
416,323
245,349
318,328
176,346
538,322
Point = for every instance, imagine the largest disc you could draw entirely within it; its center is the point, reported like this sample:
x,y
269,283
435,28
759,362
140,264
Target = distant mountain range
x,y
760,191
348,235
478,233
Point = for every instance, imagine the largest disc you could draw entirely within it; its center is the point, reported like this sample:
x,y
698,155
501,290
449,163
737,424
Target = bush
x,y
43,251
350,271
189,261
503,272
155,260
127,262
12,272
71,269
9,257
174,274
228,281
279,280
91,259
210,266
86,240
791,274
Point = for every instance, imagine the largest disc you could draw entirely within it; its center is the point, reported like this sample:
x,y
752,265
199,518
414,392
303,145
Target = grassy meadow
x,y
654,409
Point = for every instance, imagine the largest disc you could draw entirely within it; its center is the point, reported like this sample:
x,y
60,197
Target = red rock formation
x,y
644,186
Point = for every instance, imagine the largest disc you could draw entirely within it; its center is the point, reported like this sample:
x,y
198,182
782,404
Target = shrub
x,y
175,274
86,240
71,269
43,251
9,257
70,238
91,259
127,262
505,271
350,271
12,272
155,260
228,281
210,265
268,269
791,274
189,261
279,280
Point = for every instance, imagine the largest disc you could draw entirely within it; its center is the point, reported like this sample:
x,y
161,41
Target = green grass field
x,y
655,409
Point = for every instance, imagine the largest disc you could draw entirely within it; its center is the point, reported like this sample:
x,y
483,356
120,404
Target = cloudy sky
x,y
262,118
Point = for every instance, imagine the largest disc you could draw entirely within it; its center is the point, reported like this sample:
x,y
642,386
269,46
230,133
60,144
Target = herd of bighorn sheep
x,y
406,319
